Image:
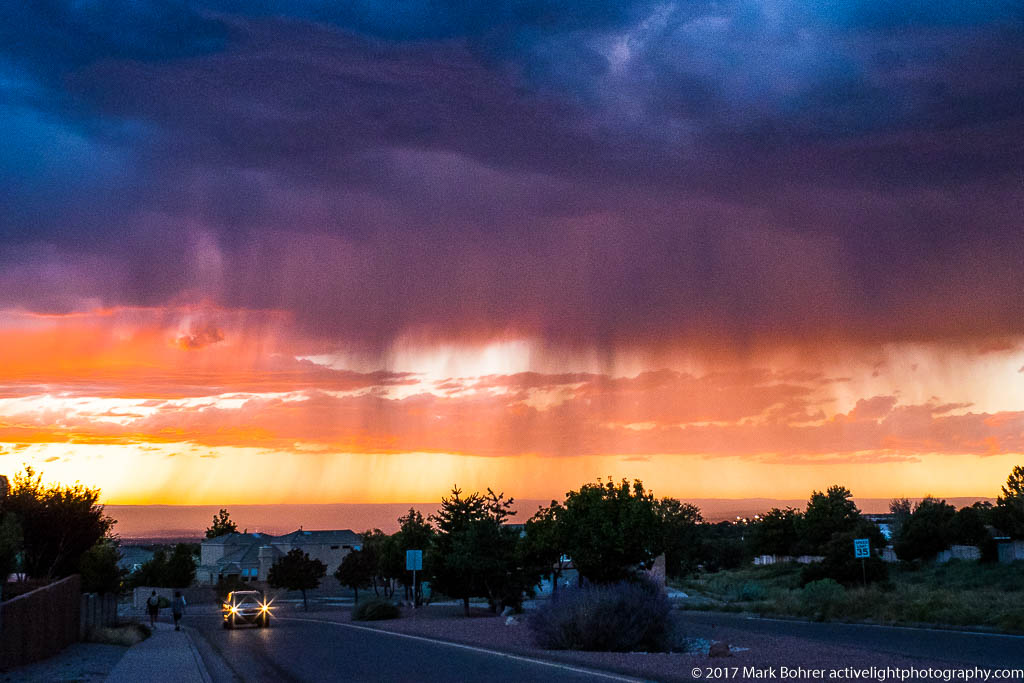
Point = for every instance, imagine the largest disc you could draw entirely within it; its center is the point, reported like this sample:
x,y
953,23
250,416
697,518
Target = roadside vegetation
x,y
958,594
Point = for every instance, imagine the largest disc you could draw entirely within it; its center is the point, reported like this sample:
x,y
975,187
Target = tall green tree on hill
x,y
222,525
297,571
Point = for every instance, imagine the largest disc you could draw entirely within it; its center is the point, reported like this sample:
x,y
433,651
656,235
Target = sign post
x,y
862,550
414,563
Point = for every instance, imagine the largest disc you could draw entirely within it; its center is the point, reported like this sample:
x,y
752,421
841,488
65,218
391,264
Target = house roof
x,y
243,550
339,536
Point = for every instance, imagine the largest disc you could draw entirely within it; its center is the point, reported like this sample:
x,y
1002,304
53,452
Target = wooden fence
x,y
40,623
97,610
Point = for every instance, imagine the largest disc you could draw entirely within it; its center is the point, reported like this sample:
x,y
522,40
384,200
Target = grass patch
x,y
960,594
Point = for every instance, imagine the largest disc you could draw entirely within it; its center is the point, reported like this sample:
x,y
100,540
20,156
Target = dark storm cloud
x,y
591,172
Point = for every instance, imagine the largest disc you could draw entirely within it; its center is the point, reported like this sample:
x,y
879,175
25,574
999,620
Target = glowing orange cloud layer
x,y
120,396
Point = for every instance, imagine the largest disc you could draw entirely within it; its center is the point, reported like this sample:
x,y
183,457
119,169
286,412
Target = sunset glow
x,y
345,255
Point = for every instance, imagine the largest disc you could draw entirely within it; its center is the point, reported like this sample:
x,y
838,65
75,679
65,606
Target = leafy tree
x,y
10,535
610,530
723,546
928,531
180,571
414,533
153,571
839,562
297,571
543,545
679,535
99,570
827,513
900,509
776,532
222,525
969,526
356,571
174,570
1009,512
58,523
378,555
474,553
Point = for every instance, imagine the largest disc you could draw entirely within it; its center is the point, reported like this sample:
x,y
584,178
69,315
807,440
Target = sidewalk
x,y
167,656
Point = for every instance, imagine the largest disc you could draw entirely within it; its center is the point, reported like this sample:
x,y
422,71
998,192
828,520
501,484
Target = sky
x,y
358,252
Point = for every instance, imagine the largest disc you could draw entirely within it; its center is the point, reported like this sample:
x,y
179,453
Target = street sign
x,y
414,560
861,547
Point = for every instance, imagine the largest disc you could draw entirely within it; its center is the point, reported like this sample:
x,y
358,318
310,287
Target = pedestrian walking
x,y
153,608
178,608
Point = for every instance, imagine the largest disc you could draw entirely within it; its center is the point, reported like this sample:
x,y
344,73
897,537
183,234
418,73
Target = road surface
x,y
298,649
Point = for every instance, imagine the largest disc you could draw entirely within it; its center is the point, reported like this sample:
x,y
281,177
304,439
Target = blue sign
x,y
414,560
861,547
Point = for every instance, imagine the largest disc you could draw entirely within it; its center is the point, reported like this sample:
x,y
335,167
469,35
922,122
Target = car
x,y
246,607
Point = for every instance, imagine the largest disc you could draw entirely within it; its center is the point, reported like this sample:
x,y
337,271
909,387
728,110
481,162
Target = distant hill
x,y
180,522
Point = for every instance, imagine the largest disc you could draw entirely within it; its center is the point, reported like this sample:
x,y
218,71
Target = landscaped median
x,y
513,635
957,594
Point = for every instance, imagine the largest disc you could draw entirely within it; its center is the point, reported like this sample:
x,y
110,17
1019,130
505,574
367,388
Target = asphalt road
x,y
780,642
296,649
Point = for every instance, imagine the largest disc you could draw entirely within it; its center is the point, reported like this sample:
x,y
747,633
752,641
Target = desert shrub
x,y
621,617
822,598
125,634
752,591
376,610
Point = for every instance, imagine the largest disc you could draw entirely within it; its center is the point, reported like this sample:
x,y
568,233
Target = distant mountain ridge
x,y
176,522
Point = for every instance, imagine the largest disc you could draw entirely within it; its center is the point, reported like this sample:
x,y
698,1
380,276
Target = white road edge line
x,y
434,641
893,626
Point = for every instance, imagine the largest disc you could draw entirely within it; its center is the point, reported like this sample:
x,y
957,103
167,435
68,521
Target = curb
x,y
200,664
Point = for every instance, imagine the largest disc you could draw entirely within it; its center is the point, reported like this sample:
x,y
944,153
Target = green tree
x,y
1009,513
99,569
356,571
900,509
180,571
776,532
839,562
297,571
222,525
970,525
414,533
379,554
827,513
610,530
152,572
543,545
680,535
927,532
10,535
58,523
474,553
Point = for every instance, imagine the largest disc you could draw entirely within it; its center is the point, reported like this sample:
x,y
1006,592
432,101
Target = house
x,y
132,557
250,556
